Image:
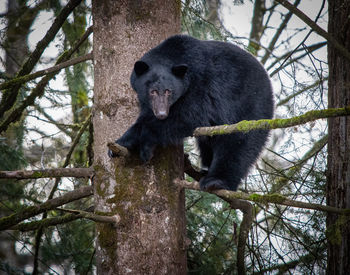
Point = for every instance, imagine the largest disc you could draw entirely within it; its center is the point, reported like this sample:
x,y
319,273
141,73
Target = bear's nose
x,y
161,115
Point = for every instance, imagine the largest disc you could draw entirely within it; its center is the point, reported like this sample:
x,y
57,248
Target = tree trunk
x,y
149,237
338,178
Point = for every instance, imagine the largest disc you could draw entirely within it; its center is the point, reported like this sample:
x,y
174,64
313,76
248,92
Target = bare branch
x,y
31,211
267,124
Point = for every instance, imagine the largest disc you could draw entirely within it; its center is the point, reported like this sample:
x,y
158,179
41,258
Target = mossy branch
x,y
267,124
31,211
34,225
74,215
264,199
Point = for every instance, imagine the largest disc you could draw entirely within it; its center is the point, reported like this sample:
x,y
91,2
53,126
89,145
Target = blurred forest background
x,y
45,123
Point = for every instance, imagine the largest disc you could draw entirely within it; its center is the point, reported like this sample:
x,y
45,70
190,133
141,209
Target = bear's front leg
x,y
148,142
129,140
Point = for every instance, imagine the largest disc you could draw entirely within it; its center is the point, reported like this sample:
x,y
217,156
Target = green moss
x,y
37,174
271,198
108,241
102,184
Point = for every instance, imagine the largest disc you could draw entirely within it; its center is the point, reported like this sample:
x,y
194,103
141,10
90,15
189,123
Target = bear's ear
x,y
179,70
140,67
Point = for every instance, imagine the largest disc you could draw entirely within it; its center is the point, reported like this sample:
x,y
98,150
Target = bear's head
x,y
159,86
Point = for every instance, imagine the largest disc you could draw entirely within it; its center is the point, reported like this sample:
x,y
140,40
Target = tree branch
x,y
118,150
264,199
48,173
31,211
56,68
43,223
267,124
315,27
92,216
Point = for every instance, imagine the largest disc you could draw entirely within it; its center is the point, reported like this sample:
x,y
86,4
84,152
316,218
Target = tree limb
x,y
48,173
56,68
267,124
43,223
264,199
92,216
31,211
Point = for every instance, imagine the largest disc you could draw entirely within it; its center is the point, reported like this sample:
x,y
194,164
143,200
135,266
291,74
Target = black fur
x,y
212,83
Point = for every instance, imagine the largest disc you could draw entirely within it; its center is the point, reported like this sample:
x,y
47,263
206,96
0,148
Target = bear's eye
x,y
140,67
167,92
179,70
153,93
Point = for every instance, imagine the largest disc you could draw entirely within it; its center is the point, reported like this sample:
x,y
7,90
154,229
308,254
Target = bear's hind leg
x,y
206,154
232,158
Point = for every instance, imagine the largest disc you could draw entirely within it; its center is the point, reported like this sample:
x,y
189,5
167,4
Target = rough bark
x,y
338,178
149,238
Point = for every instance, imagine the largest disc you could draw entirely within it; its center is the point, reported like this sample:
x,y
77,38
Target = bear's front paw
x,y
212,183
146,153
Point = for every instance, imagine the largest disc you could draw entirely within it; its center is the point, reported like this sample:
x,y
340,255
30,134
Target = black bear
x,y
185,83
